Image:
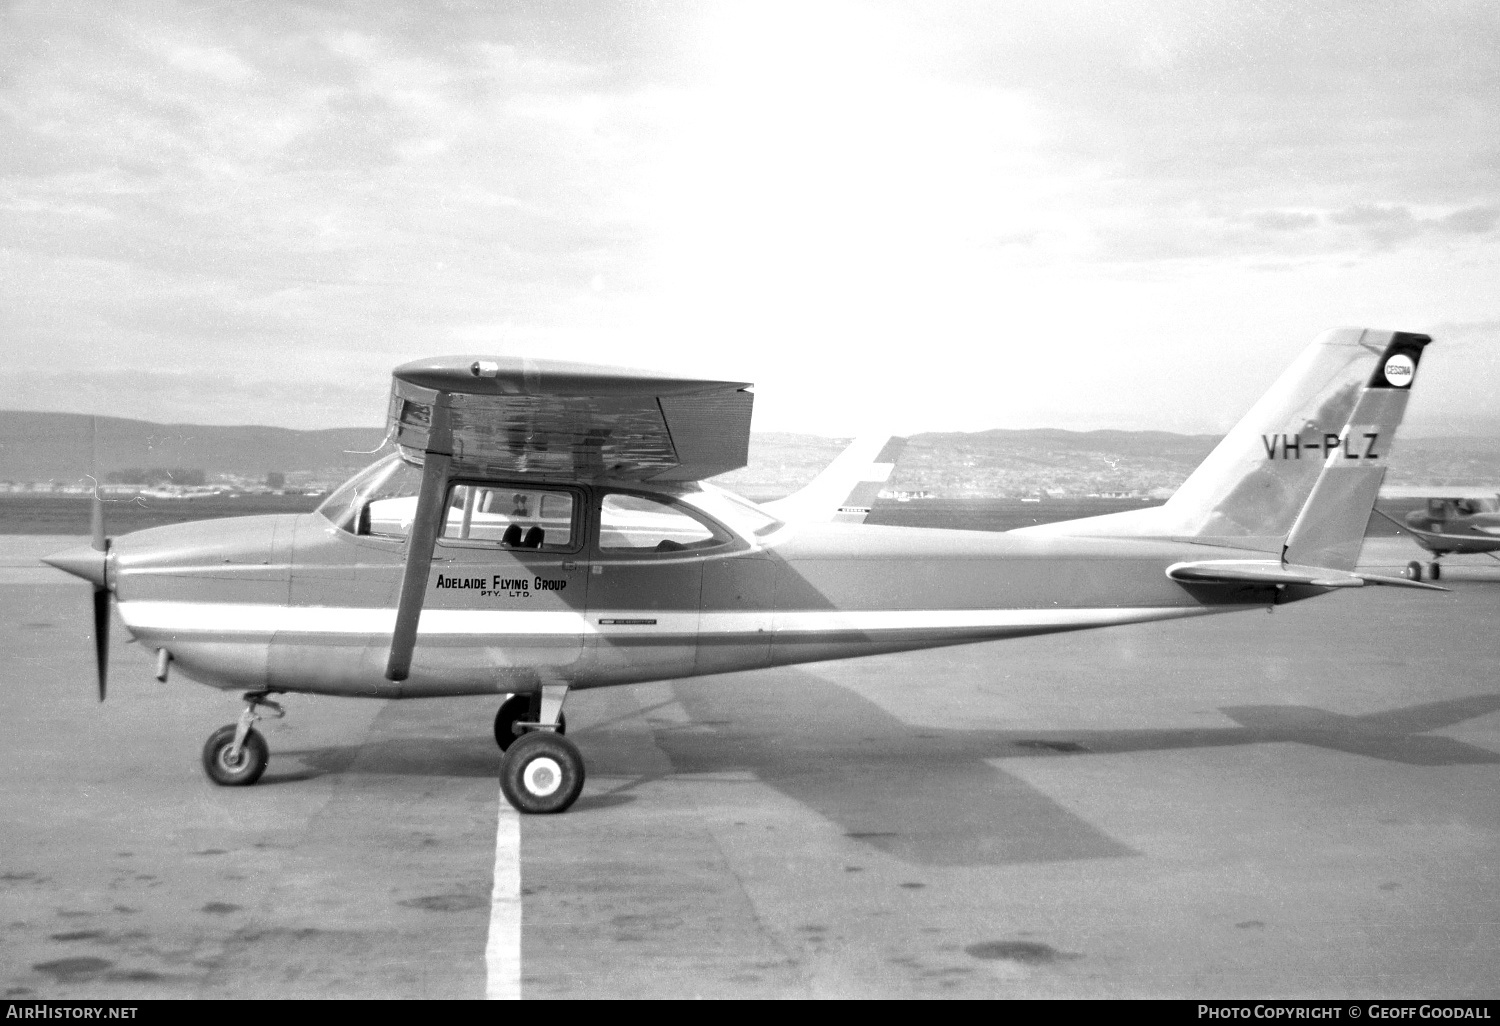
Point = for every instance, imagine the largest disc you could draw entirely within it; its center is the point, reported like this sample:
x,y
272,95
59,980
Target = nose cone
x,y
84,561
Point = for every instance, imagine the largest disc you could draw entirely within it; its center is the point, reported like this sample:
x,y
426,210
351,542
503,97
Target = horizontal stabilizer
x,y
1269,571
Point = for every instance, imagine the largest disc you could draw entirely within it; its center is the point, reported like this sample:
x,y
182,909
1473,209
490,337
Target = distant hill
x,y
780,463
56,447
1023,462
998,463
1016,463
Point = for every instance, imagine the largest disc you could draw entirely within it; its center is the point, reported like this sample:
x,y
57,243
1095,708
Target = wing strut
x,y
425,527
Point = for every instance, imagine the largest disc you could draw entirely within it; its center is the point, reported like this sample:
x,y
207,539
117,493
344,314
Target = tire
x,y
1414,570
514,708
1436,570
254,754
541,773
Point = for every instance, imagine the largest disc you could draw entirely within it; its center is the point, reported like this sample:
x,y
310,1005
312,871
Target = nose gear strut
x,y
236,755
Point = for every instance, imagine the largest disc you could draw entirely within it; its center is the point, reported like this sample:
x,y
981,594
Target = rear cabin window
x,y
634,523
513,518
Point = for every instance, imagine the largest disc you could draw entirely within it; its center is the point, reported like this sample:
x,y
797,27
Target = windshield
x,y
388,476
747,519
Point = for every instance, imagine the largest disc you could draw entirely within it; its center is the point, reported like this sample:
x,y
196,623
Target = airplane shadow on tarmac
x,y
432,756
928,796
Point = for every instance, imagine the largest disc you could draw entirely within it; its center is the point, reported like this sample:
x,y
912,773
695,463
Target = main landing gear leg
x,y
542,771
236,755
517,711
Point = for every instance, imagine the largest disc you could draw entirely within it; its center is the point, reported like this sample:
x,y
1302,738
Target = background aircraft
x,y
1459,520
544,526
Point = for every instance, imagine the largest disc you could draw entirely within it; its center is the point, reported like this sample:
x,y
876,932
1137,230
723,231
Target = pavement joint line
x,y
502,951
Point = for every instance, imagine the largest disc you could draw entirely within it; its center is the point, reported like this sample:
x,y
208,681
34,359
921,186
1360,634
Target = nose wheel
x,y
231,767
236,755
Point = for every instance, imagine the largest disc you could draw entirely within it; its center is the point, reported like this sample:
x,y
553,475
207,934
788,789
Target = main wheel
x,y
517,709
235,772
1414,570
1436,570
541,772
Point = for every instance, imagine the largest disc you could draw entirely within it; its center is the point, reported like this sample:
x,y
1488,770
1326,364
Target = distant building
x,y
275,480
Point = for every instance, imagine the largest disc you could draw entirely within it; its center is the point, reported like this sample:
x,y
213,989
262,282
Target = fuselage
x,y
301,603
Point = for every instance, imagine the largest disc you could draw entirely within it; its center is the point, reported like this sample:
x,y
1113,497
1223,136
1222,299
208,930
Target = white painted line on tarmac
x,y
502,952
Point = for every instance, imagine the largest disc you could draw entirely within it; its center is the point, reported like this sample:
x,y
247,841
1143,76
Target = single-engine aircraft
x,y
1464,521
544,526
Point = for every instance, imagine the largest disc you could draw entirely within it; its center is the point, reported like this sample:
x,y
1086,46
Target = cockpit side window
x,y
636,523
510,516
375,500
391,508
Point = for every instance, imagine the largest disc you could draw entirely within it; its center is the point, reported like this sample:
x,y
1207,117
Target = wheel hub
x,y
542,776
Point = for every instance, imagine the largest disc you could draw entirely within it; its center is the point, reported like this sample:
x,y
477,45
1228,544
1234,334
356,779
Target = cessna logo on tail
x,y
1399,370
1358,443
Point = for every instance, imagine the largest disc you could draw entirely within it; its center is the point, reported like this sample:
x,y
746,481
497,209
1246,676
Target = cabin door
x,y
509,580
646,585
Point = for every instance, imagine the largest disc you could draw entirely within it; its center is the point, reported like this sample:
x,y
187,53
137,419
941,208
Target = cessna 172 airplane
x,y
1463,521
545,526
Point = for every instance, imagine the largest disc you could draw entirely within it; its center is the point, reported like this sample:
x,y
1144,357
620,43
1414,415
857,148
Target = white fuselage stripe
x,y
502,949
248,618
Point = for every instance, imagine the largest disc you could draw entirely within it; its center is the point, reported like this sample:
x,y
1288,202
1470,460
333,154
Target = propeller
x,y
91,562
100,543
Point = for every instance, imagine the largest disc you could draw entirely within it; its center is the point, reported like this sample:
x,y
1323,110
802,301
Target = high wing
x,y
1488,493
846,488
569,421
458,416
1485,538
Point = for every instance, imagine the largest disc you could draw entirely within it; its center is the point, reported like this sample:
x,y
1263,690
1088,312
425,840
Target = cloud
x,y
1471,220
816,194
1283,220
1394,223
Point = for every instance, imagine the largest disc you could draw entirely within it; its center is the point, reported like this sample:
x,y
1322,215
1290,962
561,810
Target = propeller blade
x,y
101,636
96,512
100,543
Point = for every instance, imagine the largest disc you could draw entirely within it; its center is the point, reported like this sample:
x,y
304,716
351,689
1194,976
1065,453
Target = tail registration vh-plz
x,y
545,526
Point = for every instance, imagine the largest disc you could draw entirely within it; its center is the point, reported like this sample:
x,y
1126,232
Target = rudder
x,y
1330,527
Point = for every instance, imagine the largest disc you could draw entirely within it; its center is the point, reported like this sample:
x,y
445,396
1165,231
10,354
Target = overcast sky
x,y
927,216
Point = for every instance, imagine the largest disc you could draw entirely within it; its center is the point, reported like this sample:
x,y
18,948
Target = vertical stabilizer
x,y
1250,490
847,487
1331,525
